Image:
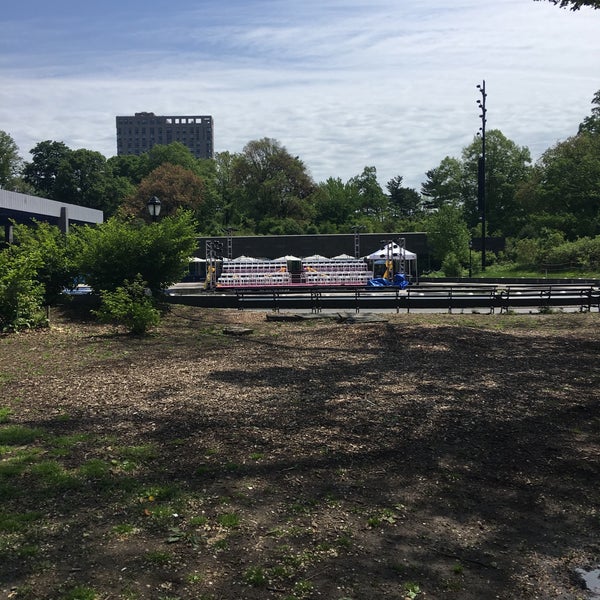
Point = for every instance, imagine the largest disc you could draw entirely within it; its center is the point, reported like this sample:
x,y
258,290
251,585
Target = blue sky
x,y
343,84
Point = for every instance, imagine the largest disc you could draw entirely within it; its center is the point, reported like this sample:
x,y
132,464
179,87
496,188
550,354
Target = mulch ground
x,y
439,456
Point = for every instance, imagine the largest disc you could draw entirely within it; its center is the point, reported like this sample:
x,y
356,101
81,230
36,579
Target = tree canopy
x,y
574,4
10,161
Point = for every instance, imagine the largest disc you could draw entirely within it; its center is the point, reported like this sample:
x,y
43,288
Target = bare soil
x,y
432,456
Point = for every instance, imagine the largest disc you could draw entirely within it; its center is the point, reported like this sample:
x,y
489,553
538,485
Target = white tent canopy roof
x,y
316,257
285,258
344,257
391,250
244,258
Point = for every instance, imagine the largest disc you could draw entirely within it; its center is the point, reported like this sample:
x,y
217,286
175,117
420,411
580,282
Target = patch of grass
x,y
54,477
161,493
158,557
302,589
18,435
5,378
9,470
229,520
124,529
80,593
95,468
5,413
12,522
458,569
255,576
28,551
139,454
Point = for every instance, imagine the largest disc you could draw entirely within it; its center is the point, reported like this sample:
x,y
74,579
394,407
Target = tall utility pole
x,y
481,171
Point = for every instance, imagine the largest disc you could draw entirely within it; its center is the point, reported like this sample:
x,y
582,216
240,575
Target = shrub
x,y
119,250
56,269
130,305
21,296
451,266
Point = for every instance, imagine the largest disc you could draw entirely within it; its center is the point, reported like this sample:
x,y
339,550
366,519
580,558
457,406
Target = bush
x,y
21,296
119,250
56,271
129,305
451,266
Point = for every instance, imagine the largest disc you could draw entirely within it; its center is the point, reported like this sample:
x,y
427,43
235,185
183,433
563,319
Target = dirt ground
x,y
429,457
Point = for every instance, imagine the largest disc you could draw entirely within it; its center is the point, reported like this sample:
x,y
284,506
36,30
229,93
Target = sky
x,y
342,84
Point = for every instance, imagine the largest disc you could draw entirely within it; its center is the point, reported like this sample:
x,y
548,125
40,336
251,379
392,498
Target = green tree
x,y
335,204
564,191
574,4
591,124
226,211
372,202
10,161
85,179
42,171
404,201
175,153
130,166
507,167
271,182
447,234
444,184
119,250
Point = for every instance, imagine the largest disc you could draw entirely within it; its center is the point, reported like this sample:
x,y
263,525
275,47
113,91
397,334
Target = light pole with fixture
x,y
481,171
153,205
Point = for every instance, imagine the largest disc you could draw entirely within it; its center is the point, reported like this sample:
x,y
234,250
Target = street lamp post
x,y
481,171
153,206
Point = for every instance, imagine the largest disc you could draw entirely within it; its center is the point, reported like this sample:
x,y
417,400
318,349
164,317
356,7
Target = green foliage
x,y
120,250
507,166
269,182
565,187
448,233
10,161
57,268
42,171
444,184
574,4
371,199
131,306
451,266
21,296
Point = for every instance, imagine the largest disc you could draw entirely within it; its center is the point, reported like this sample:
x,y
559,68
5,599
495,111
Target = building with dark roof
x,y
139,133
26,209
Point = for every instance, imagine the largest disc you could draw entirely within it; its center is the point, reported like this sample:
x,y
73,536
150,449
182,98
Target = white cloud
x,y
339,84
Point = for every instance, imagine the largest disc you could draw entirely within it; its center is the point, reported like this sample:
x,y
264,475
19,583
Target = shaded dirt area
x,y
438,456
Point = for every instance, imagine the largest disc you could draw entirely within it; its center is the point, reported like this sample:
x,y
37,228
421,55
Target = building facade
x,y
137,134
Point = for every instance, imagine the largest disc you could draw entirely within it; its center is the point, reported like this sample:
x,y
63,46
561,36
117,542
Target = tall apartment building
x,y
139,133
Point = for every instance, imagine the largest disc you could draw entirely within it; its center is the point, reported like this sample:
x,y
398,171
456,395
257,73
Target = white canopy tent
x,y
285,258
394,252
315,258
343,257
244,258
